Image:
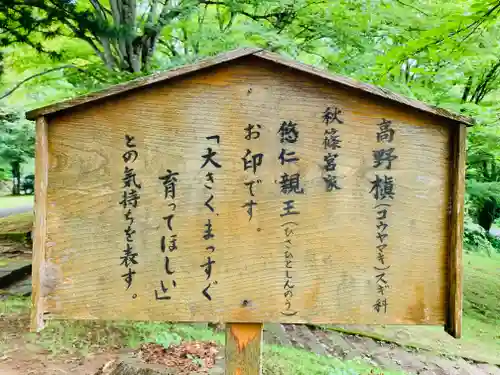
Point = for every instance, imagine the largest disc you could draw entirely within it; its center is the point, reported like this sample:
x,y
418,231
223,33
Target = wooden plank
x,y
243,349
335,241
40,225
237,54
457,179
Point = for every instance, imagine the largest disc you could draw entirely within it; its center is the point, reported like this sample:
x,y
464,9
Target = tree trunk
x,y
16,177
467,88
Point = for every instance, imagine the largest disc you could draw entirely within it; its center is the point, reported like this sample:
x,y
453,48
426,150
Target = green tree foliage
x,y
82,45
16,144
122,36
125,34
483,174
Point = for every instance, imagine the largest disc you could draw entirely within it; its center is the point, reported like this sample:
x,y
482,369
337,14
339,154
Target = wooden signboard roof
x,y
236,54
252,189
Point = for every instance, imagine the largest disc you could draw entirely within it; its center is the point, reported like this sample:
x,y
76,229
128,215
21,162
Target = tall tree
x,y
16,144
125,34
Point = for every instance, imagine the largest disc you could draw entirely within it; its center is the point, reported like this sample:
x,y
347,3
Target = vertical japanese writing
x,y
290,186
383,190
252,161
331,143
210,164
129,202
168,244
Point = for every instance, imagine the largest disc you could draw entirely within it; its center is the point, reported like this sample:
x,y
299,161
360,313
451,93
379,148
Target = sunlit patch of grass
x,y
14,306
19,223
482,300
287,360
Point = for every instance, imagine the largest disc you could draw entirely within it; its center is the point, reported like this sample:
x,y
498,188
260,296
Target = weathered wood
x,y
455,278
243,349
334,244
237,54
40,225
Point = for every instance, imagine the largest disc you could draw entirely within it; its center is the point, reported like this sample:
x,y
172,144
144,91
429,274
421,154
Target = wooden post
x,y
457,177
40,227
244,348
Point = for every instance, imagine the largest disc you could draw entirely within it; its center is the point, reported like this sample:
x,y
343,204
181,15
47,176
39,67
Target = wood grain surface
x,y
459,157
334,238
243,349
40,225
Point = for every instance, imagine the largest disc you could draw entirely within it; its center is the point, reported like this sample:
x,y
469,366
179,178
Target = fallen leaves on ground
x,y
187,357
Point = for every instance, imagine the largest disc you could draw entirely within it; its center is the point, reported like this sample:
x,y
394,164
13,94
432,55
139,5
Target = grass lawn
x,y
20,223
10,201
482,301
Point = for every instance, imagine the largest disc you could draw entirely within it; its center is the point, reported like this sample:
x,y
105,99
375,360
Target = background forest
x,y
441,52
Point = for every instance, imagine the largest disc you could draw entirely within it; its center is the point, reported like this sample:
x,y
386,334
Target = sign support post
x,y
243,348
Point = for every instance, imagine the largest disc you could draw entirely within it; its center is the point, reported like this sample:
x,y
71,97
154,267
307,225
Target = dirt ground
x,y
19,357
40,365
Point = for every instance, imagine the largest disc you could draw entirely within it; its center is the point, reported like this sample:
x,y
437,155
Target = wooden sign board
x,y
249,189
